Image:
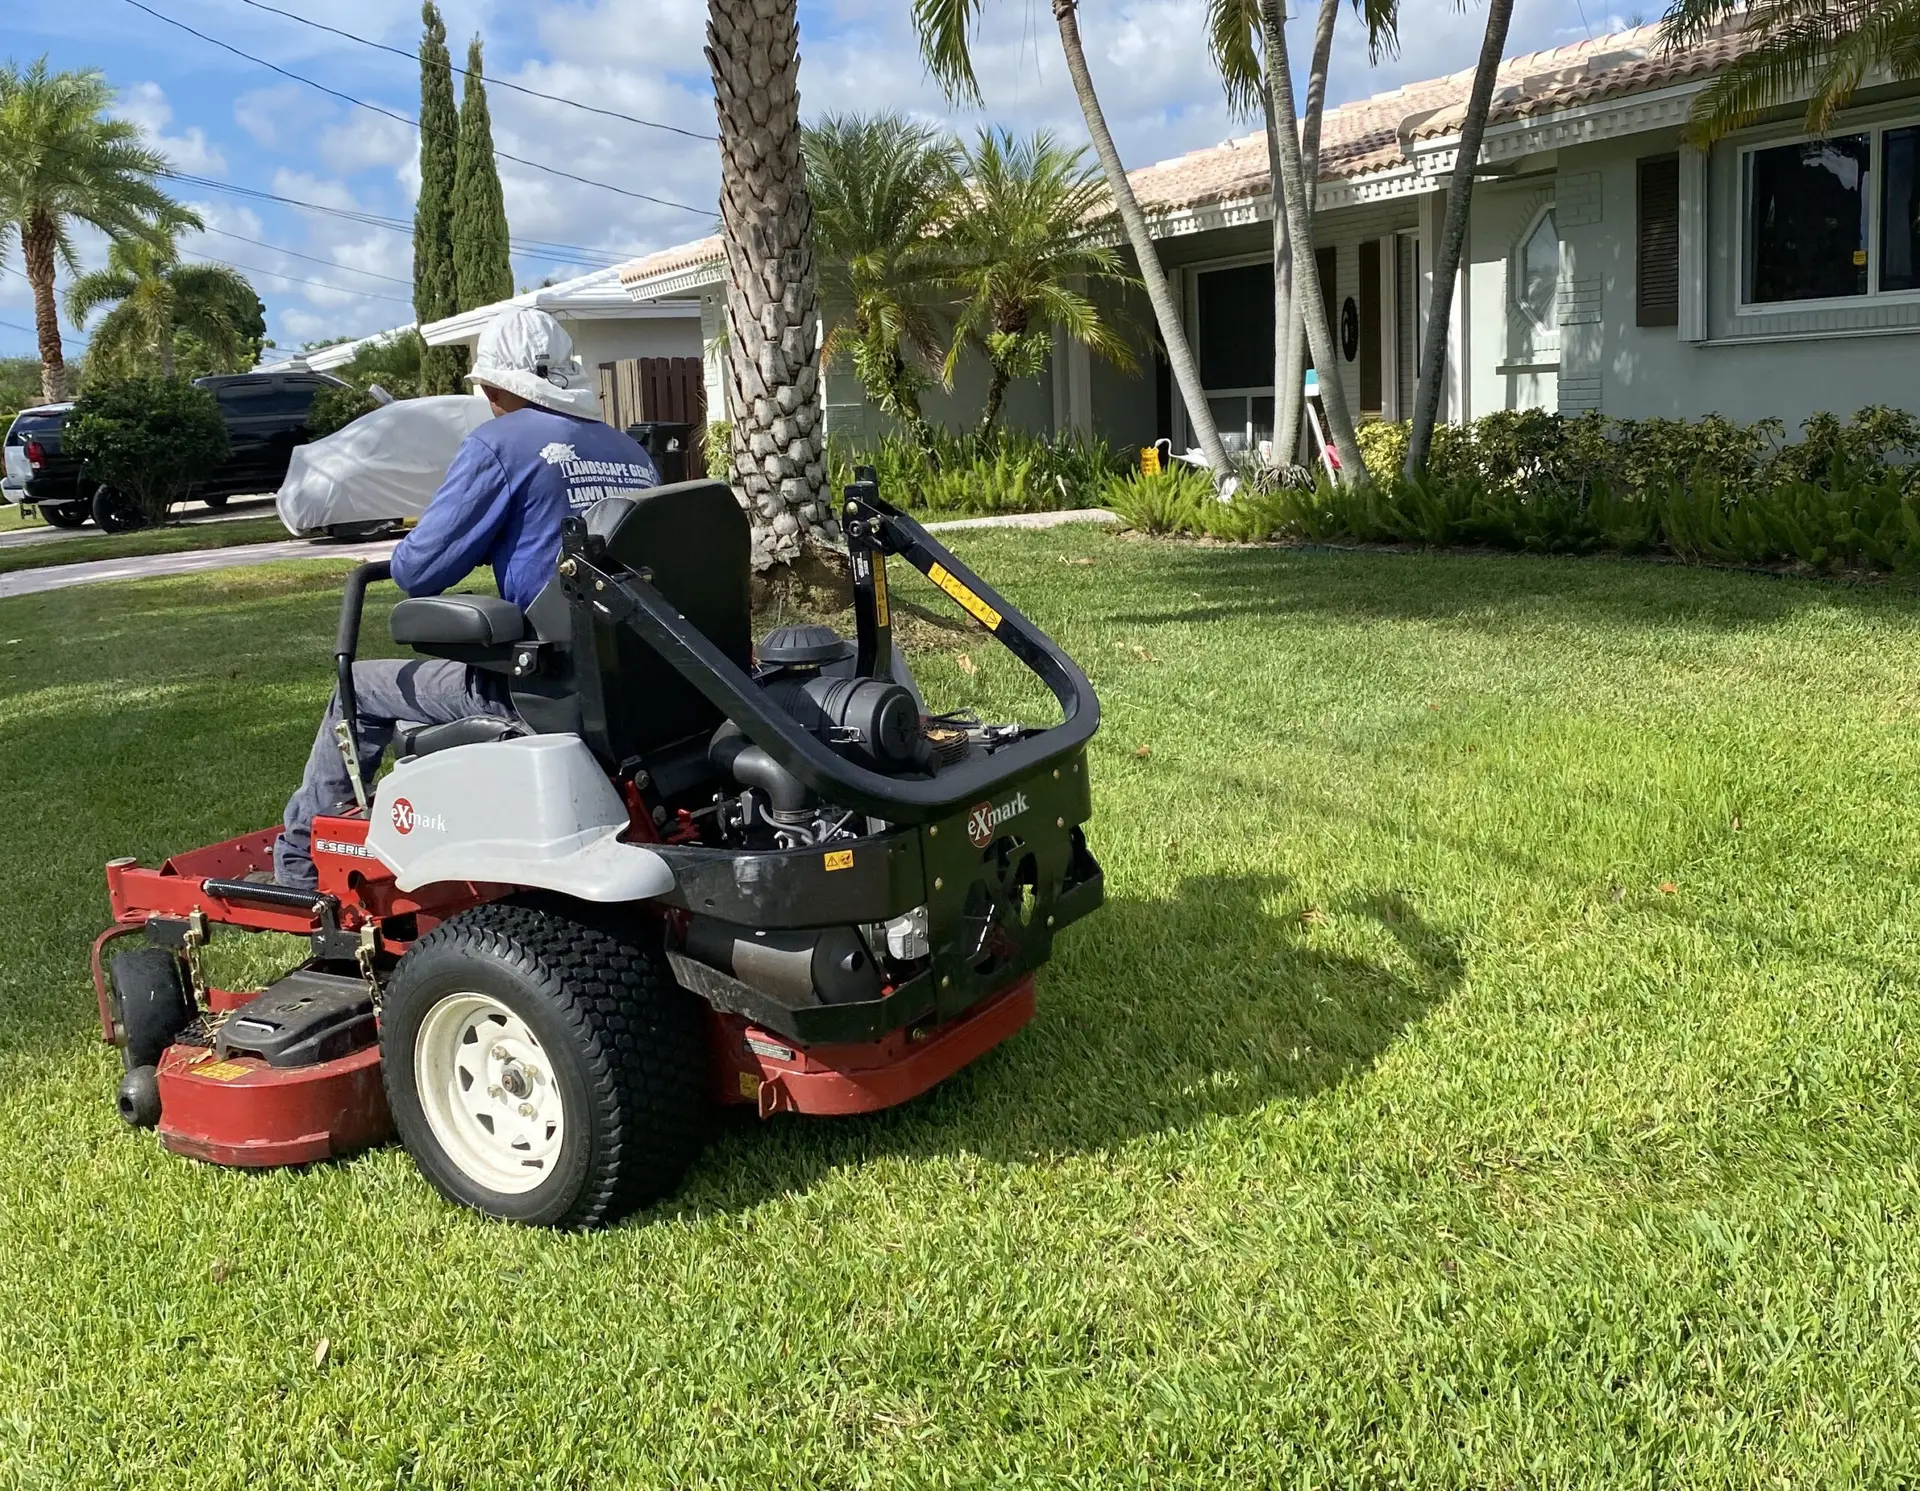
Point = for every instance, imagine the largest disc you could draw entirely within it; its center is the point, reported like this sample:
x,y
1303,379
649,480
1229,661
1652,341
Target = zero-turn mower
x,y
688,873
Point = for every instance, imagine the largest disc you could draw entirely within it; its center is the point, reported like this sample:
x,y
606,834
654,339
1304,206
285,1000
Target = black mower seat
x,y
693,538
457,621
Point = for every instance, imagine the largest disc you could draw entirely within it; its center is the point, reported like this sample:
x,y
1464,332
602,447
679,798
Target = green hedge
x,y
1006,472
1844,494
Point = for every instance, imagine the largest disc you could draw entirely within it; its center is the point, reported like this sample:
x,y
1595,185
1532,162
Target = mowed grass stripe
x,y
1451,1094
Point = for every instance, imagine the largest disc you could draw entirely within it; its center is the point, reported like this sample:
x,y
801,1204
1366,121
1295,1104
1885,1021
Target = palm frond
x,y
946,43
1233,29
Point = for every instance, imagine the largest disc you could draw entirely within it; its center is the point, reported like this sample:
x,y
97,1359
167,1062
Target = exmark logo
x,y
983,820
406,820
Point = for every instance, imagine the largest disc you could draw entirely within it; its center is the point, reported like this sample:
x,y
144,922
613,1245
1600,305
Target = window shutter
x,y
1658,255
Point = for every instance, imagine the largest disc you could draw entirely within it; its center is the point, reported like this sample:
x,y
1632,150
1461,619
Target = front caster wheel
x,y
137,1100
540,1070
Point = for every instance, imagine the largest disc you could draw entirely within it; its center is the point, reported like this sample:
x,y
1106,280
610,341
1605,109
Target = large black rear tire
x,y
544,1071
67,514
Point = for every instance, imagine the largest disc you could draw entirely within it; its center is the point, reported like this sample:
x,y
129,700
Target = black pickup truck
x,y
266,417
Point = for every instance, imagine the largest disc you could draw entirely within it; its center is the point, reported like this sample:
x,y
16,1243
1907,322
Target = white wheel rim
x,y
487,1087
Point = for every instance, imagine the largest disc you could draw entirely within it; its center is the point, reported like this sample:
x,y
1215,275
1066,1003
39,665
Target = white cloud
x,y
367,140
145,104
282,115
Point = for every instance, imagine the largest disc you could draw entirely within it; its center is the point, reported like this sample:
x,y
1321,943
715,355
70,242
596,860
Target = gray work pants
x,y
386,691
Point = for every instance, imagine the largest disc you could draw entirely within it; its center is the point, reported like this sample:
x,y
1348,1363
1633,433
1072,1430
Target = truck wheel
x,y
113,513
540,1070
217,501
66,515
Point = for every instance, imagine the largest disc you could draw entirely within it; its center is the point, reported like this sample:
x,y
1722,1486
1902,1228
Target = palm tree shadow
x,y
1155,1016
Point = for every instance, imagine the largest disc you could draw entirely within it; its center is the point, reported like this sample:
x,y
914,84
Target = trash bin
x,y
666,441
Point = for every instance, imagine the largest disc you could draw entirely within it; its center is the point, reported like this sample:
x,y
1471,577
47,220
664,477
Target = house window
x,y
1236,351
1536,276
1657,252
1900,209
1806,208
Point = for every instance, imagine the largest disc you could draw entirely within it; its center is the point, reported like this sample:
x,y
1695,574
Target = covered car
x,y
382,468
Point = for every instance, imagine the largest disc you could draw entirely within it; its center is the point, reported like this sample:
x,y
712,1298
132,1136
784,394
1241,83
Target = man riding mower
x,y
670,871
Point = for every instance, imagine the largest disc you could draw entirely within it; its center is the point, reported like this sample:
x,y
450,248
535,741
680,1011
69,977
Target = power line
x,y
296,280
574,253
311,258
404,119
490,82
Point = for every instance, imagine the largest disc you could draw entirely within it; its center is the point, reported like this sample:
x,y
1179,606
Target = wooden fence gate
x,y
658,388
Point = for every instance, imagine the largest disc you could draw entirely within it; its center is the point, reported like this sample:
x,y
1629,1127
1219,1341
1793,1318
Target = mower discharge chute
x,y
543,948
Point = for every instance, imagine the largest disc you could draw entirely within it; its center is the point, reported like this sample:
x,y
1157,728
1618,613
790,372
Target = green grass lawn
x,y
169,540
1497,1066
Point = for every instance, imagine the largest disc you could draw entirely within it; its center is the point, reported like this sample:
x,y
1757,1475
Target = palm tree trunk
x,y
1293,370
37,246
773,316
996,394
1453,236
1306,273
1286,332
1186,373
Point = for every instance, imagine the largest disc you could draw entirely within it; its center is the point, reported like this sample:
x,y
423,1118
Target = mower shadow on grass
x,y
1156,1016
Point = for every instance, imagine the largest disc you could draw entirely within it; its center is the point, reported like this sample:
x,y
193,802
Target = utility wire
x,y
311,258
528,248
574,103
573,253
404,119
295,279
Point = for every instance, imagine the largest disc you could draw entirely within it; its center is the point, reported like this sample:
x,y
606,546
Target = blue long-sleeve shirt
x,y
513,483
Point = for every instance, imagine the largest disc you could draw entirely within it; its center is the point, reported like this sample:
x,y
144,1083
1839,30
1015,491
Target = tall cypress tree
x,y
435,295
482,269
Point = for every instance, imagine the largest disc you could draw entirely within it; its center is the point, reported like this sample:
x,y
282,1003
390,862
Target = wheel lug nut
x,y
526,1110
494,1093
499,1053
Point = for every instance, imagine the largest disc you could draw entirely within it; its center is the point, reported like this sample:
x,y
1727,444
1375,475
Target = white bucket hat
x,y
526,352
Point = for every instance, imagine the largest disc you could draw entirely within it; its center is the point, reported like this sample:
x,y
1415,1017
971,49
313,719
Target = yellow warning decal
x,y
221,1071
840,859
749,1085
978,609
880,589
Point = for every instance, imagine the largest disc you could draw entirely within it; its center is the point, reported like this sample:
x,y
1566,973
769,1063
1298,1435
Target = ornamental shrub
x,y
1005,471
1711,490
148,438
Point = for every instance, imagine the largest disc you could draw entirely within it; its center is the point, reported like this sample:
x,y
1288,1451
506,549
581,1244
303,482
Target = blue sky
x,y
325,276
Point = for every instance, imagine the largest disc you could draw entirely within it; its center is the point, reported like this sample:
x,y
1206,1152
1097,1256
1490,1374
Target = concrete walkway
x,y
195,561
239,507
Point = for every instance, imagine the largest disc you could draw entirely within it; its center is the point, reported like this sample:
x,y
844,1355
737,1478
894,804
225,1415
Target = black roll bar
x,y
874,528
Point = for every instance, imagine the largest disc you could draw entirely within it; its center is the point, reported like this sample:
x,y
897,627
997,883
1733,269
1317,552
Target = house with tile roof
x,y
1607,268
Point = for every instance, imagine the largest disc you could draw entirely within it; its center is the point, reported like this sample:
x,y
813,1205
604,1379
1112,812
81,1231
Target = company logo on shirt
x,y
558,453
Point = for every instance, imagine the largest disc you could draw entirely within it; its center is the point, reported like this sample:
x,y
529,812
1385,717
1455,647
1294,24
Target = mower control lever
x,y
345,643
